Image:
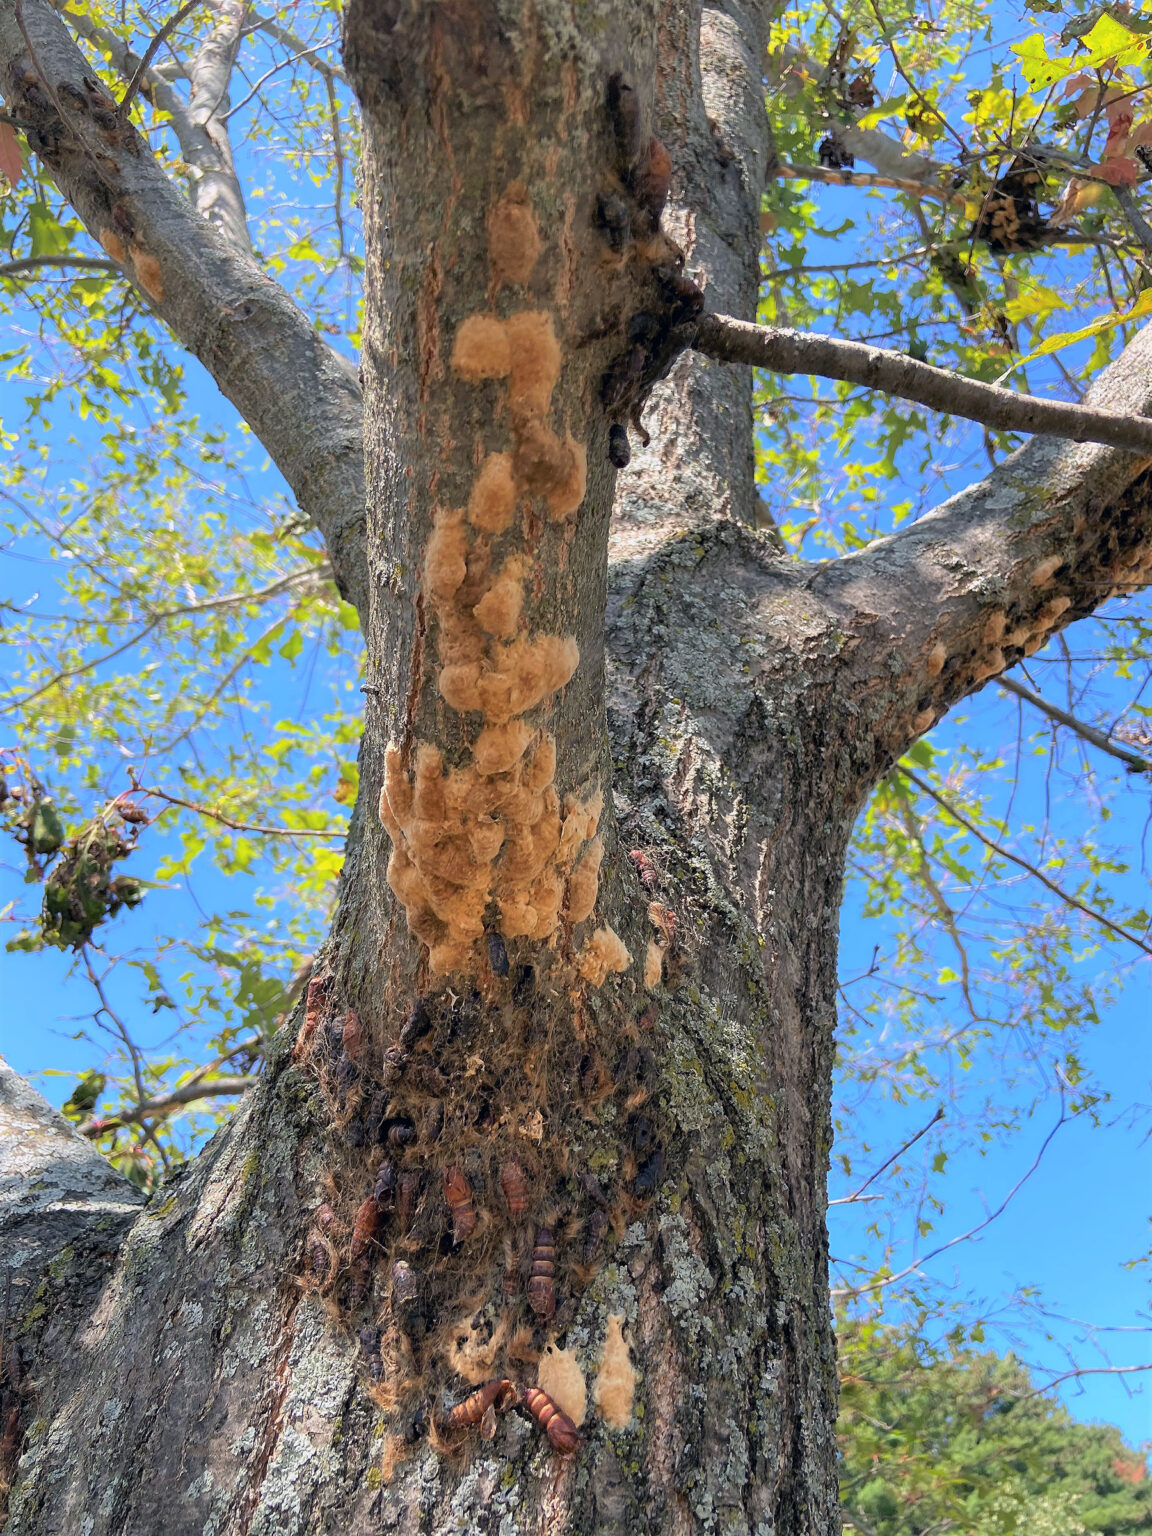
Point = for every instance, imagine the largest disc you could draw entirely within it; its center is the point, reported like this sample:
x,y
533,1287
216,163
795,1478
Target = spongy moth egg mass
x,y
481,349
603,954
499,747
534,359
615,1387
498,611
492,502
446,558
585,883
513,237
559,1375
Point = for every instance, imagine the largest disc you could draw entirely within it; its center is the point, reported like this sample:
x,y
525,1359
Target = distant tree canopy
x,y
932,1443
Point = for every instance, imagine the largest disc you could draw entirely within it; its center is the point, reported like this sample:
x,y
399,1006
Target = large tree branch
x,y
299,396
56,1193
895,373
890,159
844,178
989,576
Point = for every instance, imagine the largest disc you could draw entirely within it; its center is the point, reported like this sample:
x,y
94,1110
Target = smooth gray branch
x,y
894,373
37,263
1136,219
851,178
216,189
1133,760
161,37
165,1103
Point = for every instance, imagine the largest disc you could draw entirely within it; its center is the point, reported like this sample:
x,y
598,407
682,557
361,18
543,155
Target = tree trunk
x,y
556,1110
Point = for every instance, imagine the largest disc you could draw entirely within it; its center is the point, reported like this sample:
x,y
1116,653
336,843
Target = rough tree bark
x,y
645,1041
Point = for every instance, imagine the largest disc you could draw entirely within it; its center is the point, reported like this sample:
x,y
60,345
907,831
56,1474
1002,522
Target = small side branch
x,y
164,1104
884,1281
804,352
1133,761
839,178
899,1152
37,263
230,822
1014,858
1136,220
303,50
161,37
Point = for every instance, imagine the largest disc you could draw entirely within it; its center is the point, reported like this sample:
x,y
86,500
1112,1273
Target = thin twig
x,y
894,373
289,40
33,263
151,1109
227,821
132,1048
900,1151
1132,760
1015,858
210,604
338,158
963,1237
1088,1370
161,37
267,75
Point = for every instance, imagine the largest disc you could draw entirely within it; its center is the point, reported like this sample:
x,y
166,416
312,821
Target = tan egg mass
x,y
498,611
584,883
513,237
492,502
481,349
1046,569
544,465
603,954
653,965
565,496
500,747
560,1376
614,1390
534,362
540,772
446,559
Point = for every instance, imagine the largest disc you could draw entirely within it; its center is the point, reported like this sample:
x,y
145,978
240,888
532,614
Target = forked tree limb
x,y
163,1105
834,176
894,373
300,397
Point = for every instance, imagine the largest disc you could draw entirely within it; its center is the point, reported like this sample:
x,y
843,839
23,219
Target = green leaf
x,y
292,646
1141,308
48,237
